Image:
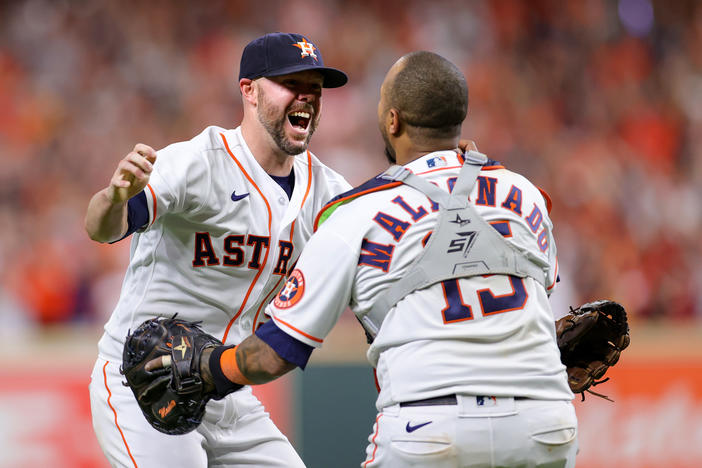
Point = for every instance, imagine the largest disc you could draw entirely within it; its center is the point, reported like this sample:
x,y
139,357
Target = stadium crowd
x,y
599,102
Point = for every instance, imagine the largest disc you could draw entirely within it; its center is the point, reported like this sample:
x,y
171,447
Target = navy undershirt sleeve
x,y
286,346
137,214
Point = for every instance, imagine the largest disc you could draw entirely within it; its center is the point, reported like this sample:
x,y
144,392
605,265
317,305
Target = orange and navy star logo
x,y
307,48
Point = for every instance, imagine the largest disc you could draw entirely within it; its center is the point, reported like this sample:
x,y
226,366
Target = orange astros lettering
x,y
163,412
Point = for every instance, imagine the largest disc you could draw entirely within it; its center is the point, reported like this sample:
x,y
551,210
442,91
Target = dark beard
x,y
389,150
276,129
390,155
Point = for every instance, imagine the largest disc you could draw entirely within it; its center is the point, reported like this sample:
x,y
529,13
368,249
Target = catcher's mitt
x,y
591,338
172,397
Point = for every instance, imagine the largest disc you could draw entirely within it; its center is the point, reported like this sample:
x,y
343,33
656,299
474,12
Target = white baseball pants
x,y
475,432
236,431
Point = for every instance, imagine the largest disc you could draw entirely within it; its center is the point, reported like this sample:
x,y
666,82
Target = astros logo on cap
x,y
307,48
292,292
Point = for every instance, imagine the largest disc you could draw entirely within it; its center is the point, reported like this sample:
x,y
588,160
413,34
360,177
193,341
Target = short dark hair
x,y
431,95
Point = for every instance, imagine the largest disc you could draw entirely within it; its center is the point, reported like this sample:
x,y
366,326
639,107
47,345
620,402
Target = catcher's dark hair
x,y
431,95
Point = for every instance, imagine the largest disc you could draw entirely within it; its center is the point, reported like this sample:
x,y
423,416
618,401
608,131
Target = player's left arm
x,y
299,321
304,312
224,369
251,362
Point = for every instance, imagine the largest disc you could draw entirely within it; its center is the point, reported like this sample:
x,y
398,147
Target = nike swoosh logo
x,y
409,428
236,197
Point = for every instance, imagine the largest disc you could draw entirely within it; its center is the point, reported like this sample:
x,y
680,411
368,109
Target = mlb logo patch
x,y
436,161
486,401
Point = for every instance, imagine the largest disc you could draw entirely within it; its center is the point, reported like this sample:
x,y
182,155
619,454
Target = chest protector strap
x,y
461,245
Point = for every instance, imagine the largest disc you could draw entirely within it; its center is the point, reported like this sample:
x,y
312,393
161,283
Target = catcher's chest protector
x,y
462,244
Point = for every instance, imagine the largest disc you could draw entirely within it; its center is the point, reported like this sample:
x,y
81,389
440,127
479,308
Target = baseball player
x,y
447,260
217,222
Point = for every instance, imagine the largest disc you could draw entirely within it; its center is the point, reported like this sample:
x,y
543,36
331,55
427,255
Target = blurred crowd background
x,y
599,102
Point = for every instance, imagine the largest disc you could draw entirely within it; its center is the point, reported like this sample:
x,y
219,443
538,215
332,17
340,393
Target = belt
x,y
438,401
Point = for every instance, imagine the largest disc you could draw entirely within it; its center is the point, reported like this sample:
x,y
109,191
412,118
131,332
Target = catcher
x,y
167,362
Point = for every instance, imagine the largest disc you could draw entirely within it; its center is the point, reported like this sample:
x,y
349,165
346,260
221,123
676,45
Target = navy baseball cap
x,y
279,53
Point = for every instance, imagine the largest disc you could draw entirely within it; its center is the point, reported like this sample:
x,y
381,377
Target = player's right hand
x,y
132,174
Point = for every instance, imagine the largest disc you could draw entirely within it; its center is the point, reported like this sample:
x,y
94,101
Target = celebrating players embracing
x,y
447,260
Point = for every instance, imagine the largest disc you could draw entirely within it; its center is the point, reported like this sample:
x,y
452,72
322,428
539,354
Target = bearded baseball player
x,y
217,222
447,260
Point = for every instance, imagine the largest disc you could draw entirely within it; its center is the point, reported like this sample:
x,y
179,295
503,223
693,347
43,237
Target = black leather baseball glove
x,y
173,396
591,339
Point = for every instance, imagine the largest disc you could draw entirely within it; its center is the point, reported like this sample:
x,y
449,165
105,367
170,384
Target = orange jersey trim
x,y
375,449
153,197
307,192
265,258
292,230
547,198
351,197
485,168
555,277
313,338
265,302
389,185
109,396
438,169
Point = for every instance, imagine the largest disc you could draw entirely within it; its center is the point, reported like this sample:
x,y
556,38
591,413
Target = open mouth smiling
x,y
299,120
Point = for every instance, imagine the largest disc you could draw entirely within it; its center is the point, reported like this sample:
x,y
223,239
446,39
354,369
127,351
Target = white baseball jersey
x,y
221,237
481,335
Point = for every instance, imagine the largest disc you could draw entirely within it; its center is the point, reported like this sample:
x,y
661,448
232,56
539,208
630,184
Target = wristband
x,y
223,386
230,367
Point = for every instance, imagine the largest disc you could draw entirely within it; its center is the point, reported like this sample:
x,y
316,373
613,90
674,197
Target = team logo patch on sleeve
x,y
292,292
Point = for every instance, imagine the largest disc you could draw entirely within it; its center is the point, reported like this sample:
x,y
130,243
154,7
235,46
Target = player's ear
x,y
248,90
393,122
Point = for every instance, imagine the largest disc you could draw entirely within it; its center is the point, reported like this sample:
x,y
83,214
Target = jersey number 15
x,y
490,304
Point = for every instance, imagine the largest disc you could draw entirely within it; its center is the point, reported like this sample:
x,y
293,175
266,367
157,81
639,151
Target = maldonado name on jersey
x,y
379,255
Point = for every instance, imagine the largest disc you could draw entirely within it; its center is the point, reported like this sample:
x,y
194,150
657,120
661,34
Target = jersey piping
x,y
114,411
375,445
264,302
491,165
555,277
374,185
307,335
265,258
307,191
153,197
547,199
292,231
